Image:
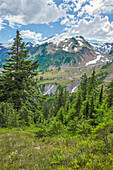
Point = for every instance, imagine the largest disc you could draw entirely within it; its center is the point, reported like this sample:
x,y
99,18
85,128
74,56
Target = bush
x,y
40,132
8,116
55,128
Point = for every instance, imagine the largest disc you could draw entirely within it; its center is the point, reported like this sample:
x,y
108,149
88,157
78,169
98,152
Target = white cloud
x,y
31,35
69,20
90,20
11,40
92,7
1,24
97,7
15,20
30,11
99,29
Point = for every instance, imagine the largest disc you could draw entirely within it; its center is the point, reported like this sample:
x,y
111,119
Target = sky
x,y
38,20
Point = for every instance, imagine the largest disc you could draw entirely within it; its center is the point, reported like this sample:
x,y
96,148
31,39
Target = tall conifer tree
x,y
109,91
18,85
84,86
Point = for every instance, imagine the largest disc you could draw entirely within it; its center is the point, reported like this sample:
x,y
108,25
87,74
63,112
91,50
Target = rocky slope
x,y
64,60
59,51
63,52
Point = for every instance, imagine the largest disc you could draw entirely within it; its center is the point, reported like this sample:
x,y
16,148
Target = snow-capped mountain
x,y
29,44
105,48
5,45
60,51
69,52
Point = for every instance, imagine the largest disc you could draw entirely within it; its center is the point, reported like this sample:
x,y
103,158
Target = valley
x,y
62,61
56,106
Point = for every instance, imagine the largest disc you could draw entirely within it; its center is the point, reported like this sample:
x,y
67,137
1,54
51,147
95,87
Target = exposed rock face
x,y
50,89
73,87
59,51
70,52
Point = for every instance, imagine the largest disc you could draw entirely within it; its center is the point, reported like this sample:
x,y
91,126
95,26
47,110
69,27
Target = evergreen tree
x,y
60,101
60,115
84,86
78,102
85,109
109,92
18,85
93,84
92,109
101,95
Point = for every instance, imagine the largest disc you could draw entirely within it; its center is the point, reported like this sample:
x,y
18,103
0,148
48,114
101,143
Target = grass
x,y
21,149
61,82
72,74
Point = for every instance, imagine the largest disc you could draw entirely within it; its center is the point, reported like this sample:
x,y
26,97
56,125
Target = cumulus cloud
x,y
99,29
1,24
30,11
98,7
31,35
90,20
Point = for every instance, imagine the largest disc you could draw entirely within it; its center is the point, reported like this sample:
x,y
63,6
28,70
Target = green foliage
x,y
60,115
84,83
17,79
101,76
107,65
55,128
109,92
40,132
66,131
84,127
17,84
24,150
67,60
8,116
41,77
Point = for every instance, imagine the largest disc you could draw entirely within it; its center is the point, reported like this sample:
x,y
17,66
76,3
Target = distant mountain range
x,y
60,51
64,60
105,48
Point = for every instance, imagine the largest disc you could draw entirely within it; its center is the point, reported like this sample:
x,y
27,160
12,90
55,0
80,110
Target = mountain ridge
x,y
60,51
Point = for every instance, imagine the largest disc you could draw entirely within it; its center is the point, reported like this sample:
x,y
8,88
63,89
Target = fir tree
x,y
109,92
101,95
78,102
60,101
93,84
18,85
84,86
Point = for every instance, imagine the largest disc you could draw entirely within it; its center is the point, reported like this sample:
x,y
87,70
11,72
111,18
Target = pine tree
x,y
60,115
109,92
93,84
60,101
78,102
85,109
84,86
101,95
18,85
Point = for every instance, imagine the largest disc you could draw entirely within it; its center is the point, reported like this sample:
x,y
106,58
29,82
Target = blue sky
x,y
40,19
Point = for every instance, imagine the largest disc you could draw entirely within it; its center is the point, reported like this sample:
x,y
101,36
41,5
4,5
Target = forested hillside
x,y
61,131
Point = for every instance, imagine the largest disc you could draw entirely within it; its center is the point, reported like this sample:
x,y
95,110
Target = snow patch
x,y
48,92
75,49
80,43
74,89
94,61
65,49
79,39
97,52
